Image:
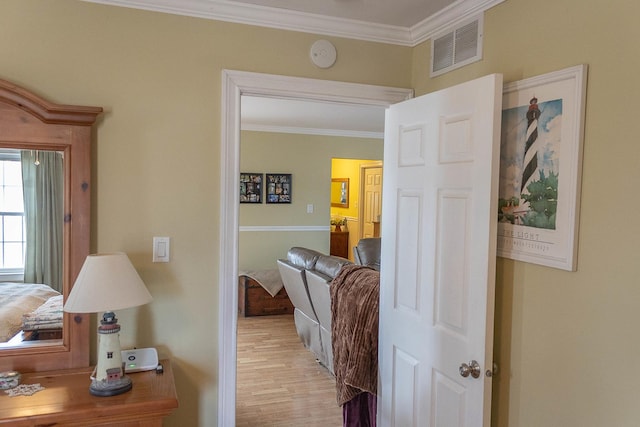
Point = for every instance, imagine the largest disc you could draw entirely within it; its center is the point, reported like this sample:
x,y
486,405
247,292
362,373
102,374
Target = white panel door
x,y
372,200
441,160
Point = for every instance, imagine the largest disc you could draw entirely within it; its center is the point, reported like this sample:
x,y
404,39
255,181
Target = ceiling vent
x,y
456,47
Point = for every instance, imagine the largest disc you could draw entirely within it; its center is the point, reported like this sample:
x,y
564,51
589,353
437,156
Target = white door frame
x,y
234,85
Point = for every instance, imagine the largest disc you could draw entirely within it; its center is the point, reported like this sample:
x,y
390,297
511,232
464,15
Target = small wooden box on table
x,y
66,401
254,300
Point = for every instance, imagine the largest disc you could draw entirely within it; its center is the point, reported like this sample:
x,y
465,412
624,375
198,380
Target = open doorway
x,y
278,379
371,196
235,84
356,182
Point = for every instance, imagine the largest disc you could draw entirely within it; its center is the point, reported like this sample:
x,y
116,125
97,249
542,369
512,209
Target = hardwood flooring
x,y
279,382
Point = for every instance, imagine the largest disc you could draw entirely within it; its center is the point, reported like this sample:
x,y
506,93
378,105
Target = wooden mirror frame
x,y
30,122
341,182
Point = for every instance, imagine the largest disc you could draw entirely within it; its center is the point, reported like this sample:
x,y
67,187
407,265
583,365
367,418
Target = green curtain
x,y
43,188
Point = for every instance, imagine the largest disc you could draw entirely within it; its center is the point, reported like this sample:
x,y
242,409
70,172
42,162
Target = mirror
x,y
30,125
340,192
31,207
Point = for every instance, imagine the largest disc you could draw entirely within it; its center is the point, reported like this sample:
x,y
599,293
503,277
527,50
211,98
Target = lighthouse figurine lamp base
x,y
108,377
107,282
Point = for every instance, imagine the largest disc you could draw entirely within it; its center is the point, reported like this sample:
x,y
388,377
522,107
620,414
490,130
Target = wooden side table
x,y
339,244
66,401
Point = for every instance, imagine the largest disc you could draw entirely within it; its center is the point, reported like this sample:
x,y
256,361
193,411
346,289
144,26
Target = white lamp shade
x,y
107,282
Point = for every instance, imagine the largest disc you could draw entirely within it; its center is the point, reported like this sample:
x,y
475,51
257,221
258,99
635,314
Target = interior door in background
x,y
441,160
371,178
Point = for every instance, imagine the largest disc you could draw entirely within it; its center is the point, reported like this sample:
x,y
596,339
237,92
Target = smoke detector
x,y
323,54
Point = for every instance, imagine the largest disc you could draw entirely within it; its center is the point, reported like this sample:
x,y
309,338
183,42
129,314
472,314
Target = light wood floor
x,y
279,382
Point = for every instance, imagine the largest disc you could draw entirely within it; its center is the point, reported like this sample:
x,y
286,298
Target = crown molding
x,y
270,17
244,13
449,17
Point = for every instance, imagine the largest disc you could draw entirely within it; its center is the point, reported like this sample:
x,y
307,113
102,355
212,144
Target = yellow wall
x,y
565,341
309,159
350,168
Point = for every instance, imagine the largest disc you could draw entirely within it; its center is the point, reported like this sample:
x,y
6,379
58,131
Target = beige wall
x,y
157,147
308,159
566,342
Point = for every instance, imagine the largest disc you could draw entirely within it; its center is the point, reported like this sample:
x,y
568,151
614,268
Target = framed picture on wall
x,y
250,187
540,168
278,187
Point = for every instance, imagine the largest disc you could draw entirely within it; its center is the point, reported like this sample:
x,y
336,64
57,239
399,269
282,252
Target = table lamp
x,y
107,282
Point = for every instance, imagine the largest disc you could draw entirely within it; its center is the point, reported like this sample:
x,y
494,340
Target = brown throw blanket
x,y
355,293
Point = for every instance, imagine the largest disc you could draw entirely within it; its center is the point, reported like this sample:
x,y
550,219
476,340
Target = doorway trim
x,y
234,85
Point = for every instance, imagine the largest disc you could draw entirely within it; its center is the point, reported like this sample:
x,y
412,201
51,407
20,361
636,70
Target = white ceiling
x,y
403,22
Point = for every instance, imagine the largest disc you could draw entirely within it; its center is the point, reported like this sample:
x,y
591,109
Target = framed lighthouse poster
x,y
540,168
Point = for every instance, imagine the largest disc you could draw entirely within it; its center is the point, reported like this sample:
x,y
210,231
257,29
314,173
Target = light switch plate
x,y
161,246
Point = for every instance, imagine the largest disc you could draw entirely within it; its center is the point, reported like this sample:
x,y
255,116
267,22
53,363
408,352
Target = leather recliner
x,y
294,278
319,282
367,252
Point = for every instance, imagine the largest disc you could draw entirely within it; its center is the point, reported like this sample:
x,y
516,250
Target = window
x,y
12,224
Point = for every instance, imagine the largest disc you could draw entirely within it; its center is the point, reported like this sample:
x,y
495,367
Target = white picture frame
x,y
541,168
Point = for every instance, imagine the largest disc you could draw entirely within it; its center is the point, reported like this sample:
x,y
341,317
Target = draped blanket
x,y
355,293
269,279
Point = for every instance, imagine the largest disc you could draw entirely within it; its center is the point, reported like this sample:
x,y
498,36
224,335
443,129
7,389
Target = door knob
x,y
473,369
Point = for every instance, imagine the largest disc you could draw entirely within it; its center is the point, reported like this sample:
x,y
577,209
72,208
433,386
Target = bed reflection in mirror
x,y
31,251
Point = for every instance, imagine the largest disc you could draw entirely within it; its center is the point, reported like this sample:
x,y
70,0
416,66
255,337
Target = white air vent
x,y
456,47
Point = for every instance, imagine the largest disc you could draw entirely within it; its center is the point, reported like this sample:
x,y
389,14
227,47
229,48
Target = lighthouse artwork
x,y
530,147
540,168
530,163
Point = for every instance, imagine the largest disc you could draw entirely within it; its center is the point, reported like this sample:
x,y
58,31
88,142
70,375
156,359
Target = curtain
x,y
43,188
